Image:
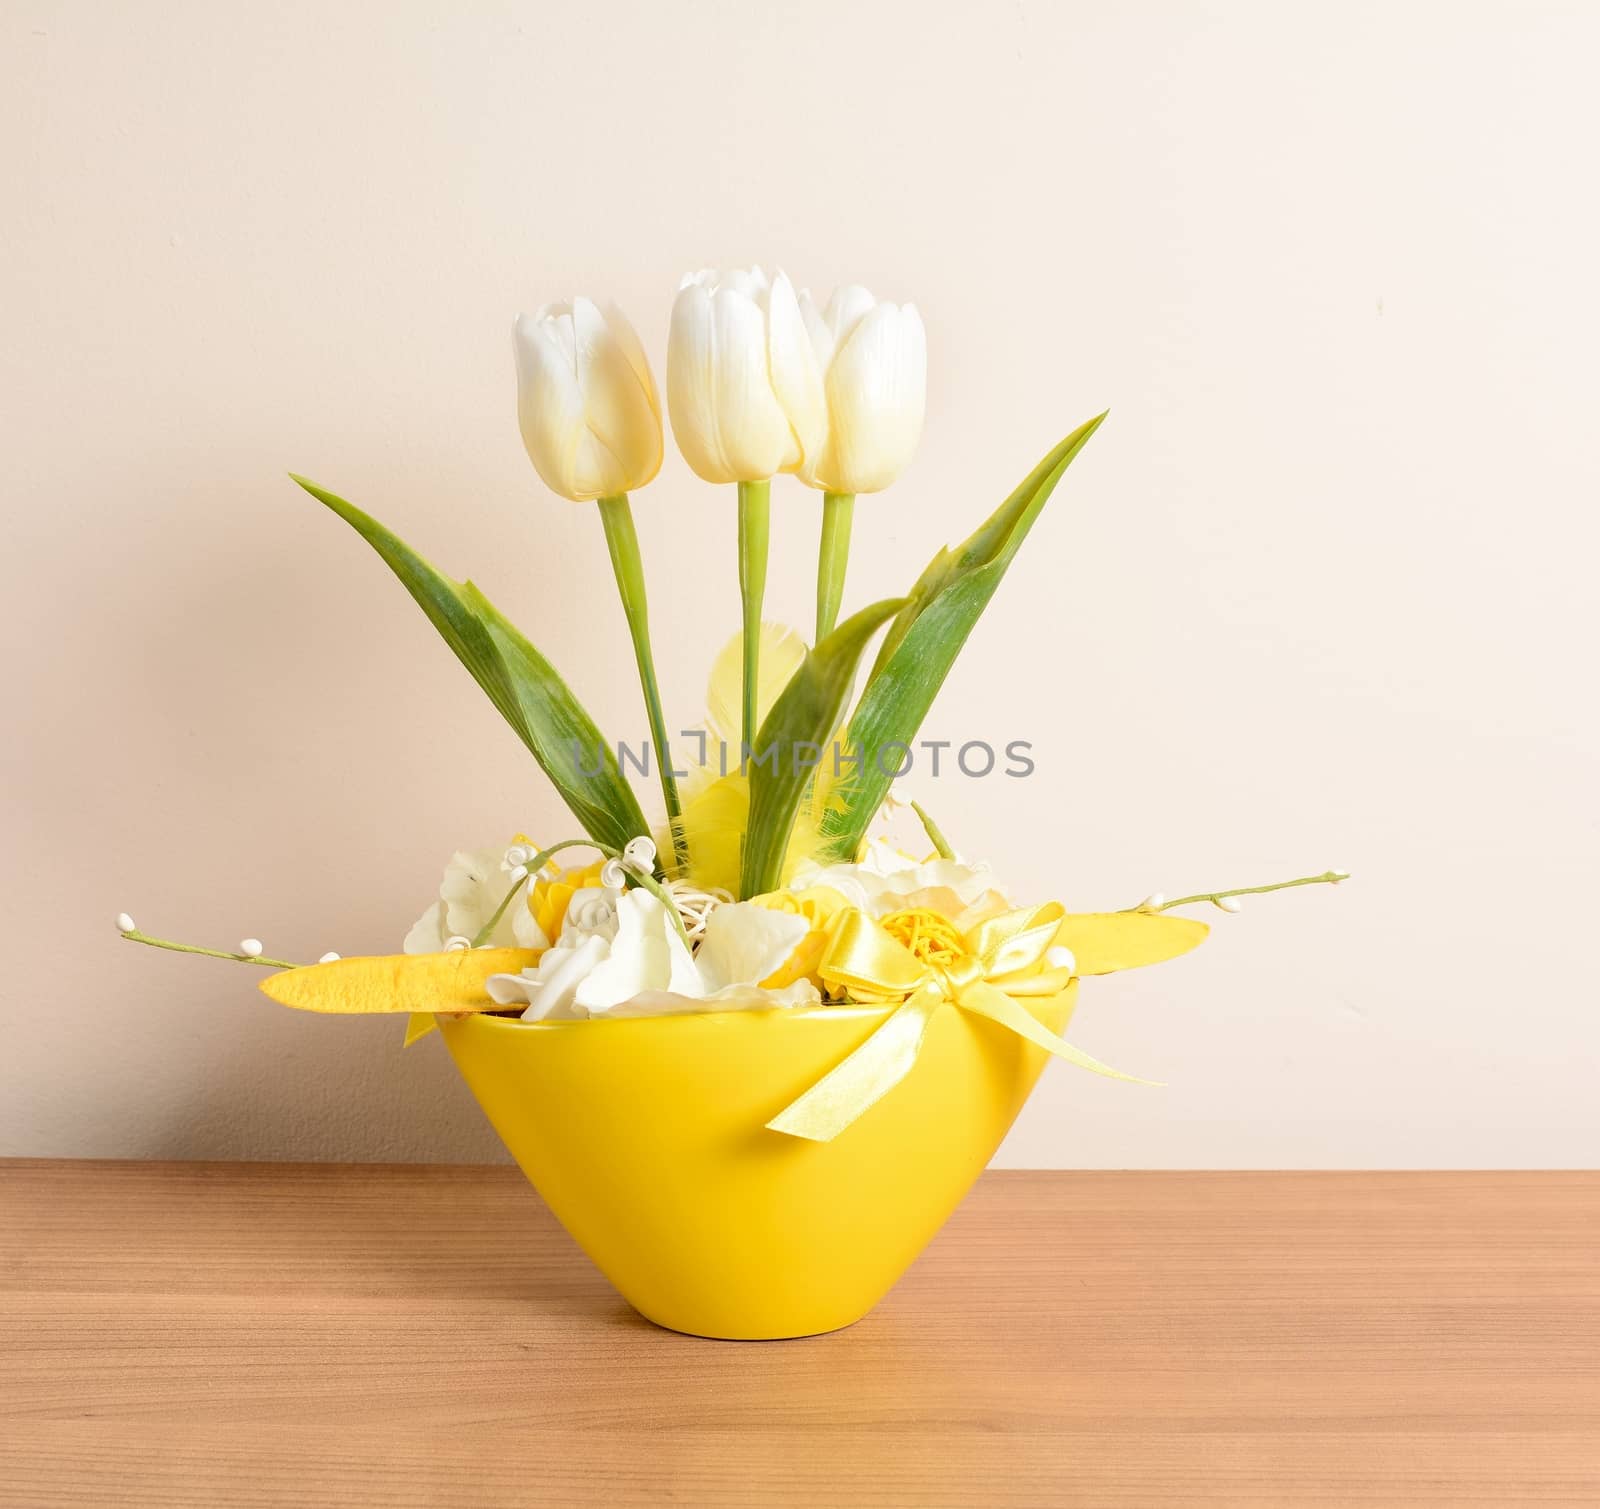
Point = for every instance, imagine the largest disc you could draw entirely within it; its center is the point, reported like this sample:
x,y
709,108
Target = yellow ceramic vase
x,y
647,1137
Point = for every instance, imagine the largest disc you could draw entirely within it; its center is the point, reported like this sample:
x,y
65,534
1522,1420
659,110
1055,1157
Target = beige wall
x,y
1321,592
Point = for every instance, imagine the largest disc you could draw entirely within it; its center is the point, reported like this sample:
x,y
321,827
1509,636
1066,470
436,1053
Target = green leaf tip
x,y
525,688
929,632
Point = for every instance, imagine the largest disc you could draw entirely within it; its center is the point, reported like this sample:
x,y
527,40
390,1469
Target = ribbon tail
x,y
986,1001
419,1025
858,1083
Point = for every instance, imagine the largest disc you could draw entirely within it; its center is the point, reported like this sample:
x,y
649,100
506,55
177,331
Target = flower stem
x,y
623,541
755,516
1328,877
211,953
486,932
838,510
940,844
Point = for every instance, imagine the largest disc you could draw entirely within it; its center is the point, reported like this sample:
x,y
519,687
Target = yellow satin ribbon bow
x,y
997,963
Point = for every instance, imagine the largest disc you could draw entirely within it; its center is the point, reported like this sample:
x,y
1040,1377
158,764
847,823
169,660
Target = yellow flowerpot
x,y
647,1137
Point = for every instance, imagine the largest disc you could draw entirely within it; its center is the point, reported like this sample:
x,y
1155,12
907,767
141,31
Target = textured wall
x,y
1321,591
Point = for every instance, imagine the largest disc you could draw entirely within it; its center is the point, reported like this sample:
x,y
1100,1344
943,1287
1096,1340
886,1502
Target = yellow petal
x,y
802,963
398,982
1104,942
418,1025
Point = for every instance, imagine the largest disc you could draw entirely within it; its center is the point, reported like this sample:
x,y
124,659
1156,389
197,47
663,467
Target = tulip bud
x,y
744,388
586,400
874,358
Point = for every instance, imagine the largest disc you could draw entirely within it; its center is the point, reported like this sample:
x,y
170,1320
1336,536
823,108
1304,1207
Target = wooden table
x,y
257,1334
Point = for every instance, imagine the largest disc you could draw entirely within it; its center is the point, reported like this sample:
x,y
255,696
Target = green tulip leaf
x,y
804,718
925,638
524,687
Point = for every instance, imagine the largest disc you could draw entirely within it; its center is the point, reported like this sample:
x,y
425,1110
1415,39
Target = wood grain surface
x,y
258,1334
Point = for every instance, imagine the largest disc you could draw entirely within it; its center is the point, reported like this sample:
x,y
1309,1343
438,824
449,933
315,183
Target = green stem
x,y
1328,877
838,509
486,932
940,843
211,953
755,517
623,541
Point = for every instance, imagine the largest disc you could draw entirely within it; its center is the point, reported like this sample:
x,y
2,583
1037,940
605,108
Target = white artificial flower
x,y
874,359
586,400
647,953
641,967
746,944
887,880
473,886
744,386
550,988
591,910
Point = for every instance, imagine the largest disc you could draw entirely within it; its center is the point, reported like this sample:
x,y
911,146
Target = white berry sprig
x,y
250,950
1228,901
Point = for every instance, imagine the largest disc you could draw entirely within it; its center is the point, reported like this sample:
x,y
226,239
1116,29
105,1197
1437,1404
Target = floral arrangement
x,y
769,880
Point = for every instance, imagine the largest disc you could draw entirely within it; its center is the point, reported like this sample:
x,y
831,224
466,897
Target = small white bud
x,y
612,875
1339,875
250,947
329,958
1153,902
518,872
640,853
1058,957
456,943
125,923
1228,903
517,856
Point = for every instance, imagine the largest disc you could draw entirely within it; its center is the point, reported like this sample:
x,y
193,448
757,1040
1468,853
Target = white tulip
x,y
744,387
874,358
586,400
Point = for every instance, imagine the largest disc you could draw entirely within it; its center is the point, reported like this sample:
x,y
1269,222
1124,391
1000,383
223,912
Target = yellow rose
x,y
550,895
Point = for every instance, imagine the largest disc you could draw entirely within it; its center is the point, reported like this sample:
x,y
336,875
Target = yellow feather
x,y
782,650
713,823
716,796
825,794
